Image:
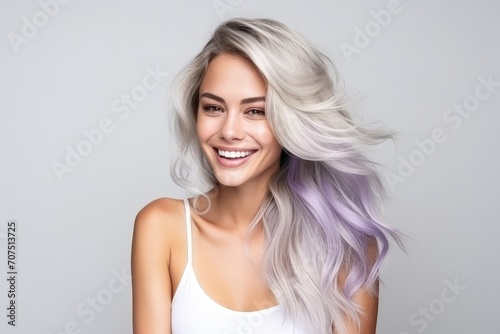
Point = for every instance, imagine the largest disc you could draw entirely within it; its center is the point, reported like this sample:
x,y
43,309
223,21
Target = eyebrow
x,y
244,101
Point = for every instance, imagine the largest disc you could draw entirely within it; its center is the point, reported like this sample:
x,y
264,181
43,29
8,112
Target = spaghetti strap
x,y
188,230
190,302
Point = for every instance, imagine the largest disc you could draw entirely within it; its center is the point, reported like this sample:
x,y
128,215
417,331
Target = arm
x,y
369,303
151,286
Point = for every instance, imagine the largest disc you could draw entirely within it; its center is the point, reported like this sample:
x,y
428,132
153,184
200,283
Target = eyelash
x,y
210,109
260,112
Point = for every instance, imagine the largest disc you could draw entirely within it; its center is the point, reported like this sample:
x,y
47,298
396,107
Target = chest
x,y
227,267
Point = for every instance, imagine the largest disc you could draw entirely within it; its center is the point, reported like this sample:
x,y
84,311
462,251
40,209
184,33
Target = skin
x,y
231,115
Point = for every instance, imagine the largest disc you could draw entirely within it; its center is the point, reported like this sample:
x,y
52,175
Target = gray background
x,y
74,234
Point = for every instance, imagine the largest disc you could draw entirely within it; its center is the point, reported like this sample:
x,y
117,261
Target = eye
x,y
256,112
211,109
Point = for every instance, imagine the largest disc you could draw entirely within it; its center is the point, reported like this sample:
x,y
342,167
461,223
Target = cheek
x,y
199,132
204,128
267,138
265,134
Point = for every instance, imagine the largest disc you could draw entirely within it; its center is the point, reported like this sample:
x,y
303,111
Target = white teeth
x,y
234,154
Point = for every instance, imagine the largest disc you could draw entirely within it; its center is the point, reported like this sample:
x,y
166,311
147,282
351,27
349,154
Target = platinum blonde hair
x,y
324,237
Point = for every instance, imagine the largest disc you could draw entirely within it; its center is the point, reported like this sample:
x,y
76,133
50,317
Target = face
x,y
232,128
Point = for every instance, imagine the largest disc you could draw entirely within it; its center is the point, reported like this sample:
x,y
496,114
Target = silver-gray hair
x,y
321,216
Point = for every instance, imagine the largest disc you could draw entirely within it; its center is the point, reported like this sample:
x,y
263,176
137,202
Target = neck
x,y
236,207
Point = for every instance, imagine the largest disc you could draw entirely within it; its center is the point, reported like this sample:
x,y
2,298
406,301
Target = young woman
x,y
281,233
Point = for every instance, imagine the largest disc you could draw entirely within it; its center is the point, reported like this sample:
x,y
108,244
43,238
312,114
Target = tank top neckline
x,y
189,273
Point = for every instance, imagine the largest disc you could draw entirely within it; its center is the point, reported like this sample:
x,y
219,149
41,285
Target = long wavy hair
x,y
324,236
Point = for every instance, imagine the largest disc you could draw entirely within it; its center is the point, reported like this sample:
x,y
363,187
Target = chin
x,y
224,182
225,179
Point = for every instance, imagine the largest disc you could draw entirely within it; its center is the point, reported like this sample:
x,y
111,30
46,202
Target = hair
x,y
324,236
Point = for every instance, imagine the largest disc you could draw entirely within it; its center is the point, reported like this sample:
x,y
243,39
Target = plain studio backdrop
x,y
85,144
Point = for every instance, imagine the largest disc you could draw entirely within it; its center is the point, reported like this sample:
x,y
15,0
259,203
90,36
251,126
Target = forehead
x,y
232,74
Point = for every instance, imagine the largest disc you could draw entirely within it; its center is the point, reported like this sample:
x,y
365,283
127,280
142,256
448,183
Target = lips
x,y
233,158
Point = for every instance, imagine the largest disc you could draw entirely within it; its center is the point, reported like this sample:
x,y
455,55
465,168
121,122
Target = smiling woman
x,y
232,129
281,232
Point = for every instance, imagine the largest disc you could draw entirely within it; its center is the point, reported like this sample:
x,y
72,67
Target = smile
x,y
233,154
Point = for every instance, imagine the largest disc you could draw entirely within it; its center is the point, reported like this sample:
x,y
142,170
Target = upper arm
x,y
367,299
368,321
151,286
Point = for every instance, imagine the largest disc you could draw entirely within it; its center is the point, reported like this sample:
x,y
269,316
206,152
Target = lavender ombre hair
x,y
325,240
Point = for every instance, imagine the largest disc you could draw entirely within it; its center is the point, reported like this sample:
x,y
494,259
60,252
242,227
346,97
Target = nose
x,y
232,127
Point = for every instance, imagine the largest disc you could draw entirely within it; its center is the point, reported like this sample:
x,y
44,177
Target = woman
x,y
281,233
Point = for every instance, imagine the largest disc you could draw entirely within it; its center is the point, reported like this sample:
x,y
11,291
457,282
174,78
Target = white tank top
x,y
194,312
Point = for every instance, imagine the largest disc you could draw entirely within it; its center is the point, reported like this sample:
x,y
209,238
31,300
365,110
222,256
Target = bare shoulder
x,y
156,228
158,223
160,208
